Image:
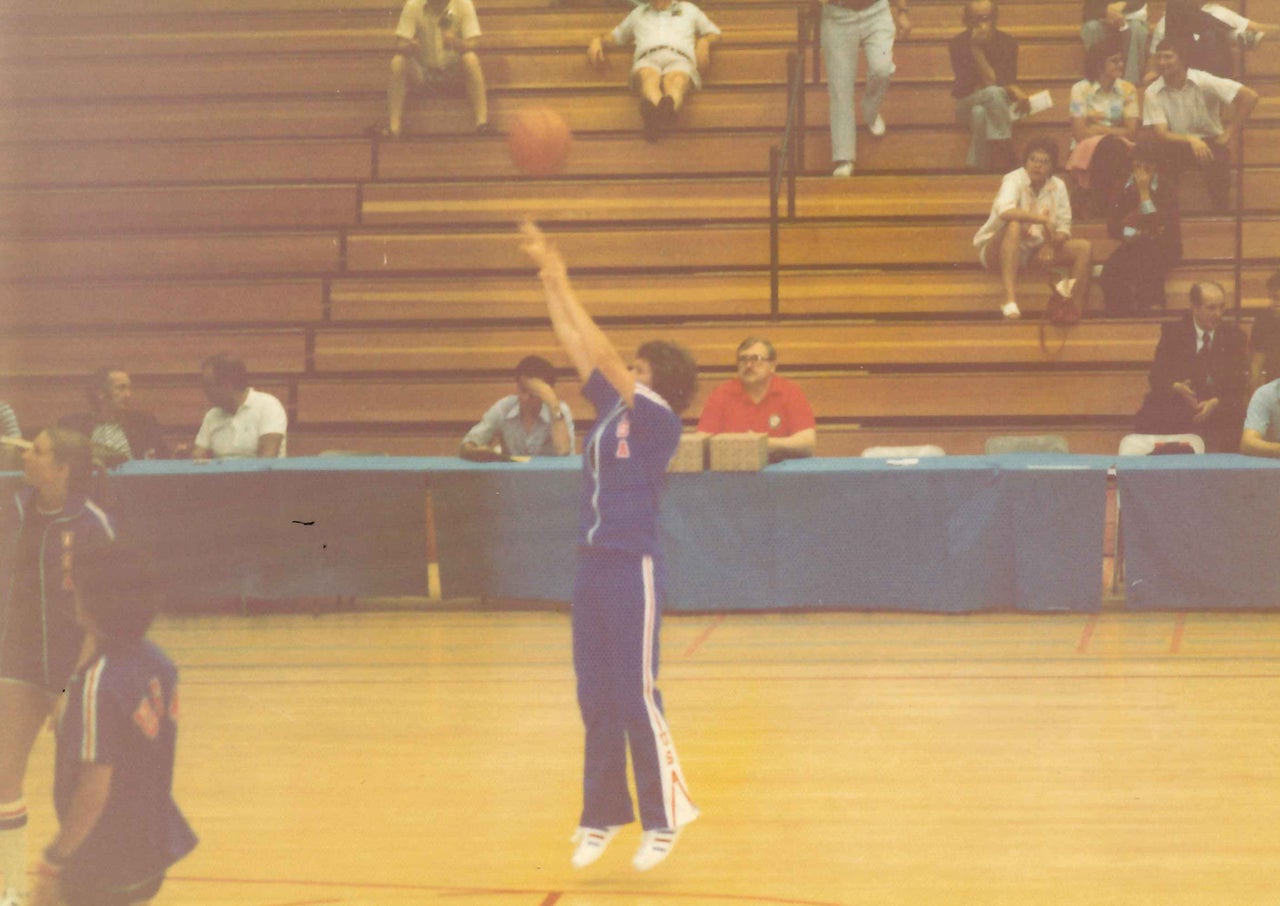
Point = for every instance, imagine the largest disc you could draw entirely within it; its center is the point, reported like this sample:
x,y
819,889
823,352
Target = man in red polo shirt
x,y
762,402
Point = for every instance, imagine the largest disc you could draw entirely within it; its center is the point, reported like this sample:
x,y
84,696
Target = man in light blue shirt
x,y
1261,435
533,421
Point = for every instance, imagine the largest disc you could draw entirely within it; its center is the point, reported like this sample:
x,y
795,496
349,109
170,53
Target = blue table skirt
x,y
1020,531
952,534
1200,532
279,529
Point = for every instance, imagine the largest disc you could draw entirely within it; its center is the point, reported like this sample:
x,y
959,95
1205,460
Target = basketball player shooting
x,y
618,586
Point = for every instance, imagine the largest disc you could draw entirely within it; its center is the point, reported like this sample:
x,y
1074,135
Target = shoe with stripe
x,y
592,842
655,846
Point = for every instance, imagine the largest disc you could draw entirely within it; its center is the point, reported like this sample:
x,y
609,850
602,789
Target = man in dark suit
x,y
1200,375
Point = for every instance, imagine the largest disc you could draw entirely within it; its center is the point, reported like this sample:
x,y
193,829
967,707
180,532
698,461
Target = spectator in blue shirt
x,y
1261,436
533,421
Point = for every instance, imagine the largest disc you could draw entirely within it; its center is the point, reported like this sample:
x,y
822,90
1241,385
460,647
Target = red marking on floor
x,y
706,633
1179,626
1085,636
552,898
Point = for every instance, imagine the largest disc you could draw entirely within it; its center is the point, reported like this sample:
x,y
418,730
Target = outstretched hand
x,y
535,244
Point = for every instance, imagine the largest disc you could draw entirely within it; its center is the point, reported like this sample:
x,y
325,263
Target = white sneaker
x,y
1010,311
844,168
655,846
592,842
11,897
876,126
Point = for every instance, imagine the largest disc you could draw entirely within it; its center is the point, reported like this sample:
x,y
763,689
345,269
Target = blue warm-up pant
x,y
615,654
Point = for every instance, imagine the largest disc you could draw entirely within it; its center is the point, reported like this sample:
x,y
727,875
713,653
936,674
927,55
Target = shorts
x,y
665,60
79,892
449,80
1025,253
22,654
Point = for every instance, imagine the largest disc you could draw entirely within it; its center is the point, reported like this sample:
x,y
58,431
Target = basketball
x,y
539,141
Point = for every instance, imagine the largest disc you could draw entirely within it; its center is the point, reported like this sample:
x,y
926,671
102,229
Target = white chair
x,y
1025,443
1143,445
903,452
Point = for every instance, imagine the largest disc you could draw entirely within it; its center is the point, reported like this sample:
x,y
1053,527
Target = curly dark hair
x,y
675,373
1096,56
536,366
1045,144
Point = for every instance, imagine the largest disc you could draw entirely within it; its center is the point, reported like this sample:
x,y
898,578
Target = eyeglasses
x,y
753,359
1116,59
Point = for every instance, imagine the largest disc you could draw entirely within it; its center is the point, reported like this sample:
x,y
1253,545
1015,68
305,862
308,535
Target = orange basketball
x,y
539,141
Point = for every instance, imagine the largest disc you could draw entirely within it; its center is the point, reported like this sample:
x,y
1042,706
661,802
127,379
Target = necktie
x,y
1203,360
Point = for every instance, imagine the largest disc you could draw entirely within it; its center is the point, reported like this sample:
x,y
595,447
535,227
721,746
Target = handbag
x,y
1062,312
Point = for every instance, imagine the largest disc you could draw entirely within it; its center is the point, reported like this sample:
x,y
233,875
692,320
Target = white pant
x,y
844,31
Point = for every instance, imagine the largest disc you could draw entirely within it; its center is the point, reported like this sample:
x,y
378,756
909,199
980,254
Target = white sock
x,y
13,845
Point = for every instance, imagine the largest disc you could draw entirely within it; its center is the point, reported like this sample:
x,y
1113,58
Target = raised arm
x,y
582,339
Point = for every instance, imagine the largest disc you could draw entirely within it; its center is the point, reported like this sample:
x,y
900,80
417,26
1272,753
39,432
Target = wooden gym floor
x,y
434,757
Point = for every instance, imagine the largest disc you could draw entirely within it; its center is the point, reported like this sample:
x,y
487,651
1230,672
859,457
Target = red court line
x,y
552,898
706,633
1179,626
1085,636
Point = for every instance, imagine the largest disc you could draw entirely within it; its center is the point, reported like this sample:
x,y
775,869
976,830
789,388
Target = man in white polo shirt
x,y
243,422
1185,108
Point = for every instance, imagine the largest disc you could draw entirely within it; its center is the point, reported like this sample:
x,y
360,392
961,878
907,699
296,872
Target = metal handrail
x,y
787,159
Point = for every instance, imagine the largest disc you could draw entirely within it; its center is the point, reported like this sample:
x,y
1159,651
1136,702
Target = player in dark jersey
x,y
44,529
618,586
119,828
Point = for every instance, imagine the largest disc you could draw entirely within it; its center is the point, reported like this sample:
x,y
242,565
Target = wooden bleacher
x,y
180,181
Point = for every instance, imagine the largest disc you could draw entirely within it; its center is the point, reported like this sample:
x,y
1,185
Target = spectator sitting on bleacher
x,y
533,421
436,44
1102,103
673,41
1199,375
1264,339
1104,123
1121,21
762,402
1184,106
118,433
1030,226
243,422
984,61
1210,30
1144,217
